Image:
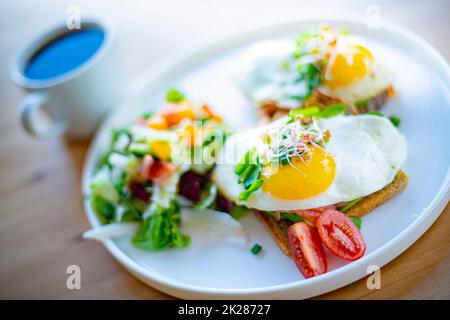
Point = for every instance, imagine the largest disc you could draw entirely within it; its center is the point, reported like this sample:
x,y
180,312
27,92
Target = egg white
x,y
378,78
367,150
260,75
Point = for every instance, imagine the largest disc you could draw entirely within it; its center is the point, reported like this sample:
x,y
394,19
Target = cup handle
x,y
30,106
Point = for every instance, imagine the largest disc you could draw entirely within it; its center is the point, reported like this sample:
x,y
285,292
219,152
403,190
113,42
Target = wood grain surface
x,y
40,198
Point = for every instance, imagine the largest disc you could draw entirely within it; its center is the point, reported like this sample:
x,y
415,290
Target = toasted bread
x,y
278,229
271,110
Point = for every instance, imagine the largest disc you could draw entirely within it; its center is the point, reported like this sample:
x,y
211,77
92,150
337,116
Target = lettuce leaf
x,y
160,230
103,208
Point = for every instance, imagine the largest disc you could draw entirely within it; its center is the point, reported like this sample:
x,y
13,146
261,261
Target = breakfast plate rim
x,y
302,288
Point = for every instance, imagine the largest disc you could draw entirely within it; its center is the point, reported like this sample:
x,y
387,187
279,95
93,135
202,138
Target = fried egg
x,y
349,71
361,155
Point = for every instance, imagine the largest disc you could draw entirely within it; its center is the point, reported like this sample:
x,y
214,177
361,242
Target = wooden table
x,y
40,198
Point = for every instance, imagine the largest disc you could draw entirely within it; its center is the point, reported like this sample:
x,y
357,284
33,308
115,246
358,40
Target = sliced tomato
x,y
306,249
174,114
145,165
156,170
340,234
160,171
310,214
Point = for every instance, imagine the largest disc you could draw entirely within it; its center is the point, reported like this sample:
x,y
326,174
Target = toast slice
x,y
278,229
270,110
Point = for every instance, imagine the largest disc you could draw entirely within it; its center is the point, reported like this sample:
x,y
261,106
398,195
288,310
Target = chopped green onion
x,y
361,104
248,172
238,212
249,158
253,187
256,249
174,96
147,115
333,110
140,148
350,205
395,120
376,113
291,217
306,112
356,221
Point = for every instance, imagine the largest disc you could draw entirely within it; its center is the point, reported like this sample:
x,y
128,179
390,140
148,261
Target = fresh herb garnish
x,y
256,249
160,230
308,72
249,173
376,113
361,104
350,205
252,188
238,212
311,74
356,221
305,112
333,110
147,115
293,217
395,120
174,96
105,209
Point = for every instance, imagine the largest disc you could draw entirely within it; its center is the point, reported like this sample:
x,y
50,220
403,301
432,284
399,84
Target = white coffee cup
x,y
77,100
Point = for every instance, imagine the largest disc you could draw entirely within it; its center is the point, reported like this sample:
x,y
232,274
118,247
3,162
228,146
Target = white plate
x,y
213,269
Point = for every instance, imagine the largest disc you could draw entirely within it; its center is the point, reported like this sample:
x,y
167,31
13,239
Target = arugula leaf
x,y
350,205
105,209
147,115
238,212
291,216
160,230
395,120
306,112
361,104
333,110
130,216
376,113
356,221
311,74
174,96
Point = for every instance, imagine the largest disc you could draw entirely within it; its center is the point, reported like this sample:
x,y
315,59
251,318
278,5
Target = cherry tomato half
x,y
306,249
339,234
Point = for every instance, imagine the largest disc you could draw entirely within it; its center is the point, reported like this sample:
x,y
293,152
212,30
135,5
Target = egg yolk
x,y
347,67
301,179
